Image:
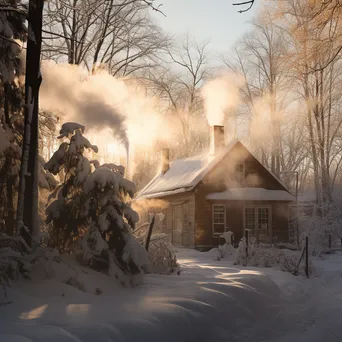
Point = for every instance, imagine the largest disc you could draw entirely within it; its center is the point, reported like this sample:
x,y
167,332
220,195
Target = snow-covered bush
x,y
227,248
318,225
241,253
251,255
13,259
160,251
260,256
162,255
90,211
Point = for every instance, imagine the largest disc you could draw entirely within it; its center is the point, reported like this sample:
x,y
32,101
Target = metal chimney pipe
x,y
165,160
216,139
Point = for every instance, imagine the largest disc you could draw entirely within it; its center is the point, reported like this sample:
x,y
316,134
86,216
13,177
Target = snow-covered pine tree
x,y
91,207
13,31
10,154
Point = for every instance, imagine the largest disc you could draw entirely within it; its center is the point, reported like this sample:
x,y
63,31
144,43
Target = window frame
x,y
224,218
256,207
240,177
250,171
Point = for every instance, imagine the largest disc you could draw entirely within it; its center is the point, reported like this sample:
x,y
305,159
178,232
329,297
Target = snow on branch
x,y
69,128
90,214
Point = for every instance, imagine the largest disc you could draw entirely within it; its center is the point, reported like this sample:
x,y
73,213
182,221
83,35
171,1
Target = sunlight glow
x,y
35,313
75,309
250,272
111,148
186,261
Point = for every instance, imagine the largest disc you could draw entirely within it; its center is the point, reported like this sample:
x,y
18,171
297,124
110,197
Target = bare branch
x,y
244,3
157,9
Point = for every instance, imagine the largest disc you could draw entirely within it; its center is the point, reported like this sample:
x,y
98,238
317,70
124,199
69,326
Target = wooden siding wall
x,y
280,221
187,200
235,220
222,178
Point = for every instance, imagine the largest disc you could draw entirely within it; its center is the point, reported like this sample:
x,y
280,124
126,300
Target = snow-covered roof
x,y
251,194
183,174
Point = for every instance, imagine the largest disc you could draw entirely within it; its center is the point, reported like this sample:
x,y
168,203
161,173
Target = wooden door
x,y
257,221
263,223
177,229
250,219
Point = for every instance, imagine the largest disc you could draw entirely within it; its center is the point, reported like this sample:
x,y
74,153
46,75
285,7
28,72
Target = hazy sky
x,y
217,20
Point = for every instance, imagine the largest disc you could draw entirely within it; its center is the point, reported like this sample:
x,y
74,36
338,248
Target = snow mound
x,y
205,303
162,255
69,128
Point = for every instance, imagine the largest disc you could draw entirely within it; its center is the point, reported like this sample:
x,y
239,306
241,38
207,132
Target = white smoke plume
x,y
67,89
100,102
220,95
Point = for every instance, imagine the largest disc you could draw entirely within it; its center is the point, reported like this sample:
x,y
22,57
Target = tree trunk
x,y
10,204
71,59
27,212
6,102
8,163
103,36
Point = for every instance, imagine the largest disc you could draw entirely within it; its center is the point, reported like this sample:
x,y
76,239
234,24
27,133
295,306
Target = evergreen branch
x,y
11,41
12,9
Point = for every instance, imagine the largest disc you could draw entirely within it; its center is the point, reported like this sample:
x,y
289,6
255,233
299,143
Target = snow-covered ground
x,y
310,309
209,301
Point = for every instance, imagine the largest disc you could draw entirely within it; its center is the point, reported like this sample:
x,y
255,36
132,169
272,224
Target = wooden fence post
x,y
257,237
307,257
330,241
149,233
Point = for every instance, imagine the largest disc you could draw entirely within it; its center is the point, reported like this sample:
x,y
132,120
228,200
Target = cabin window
x,y
251,174
240,173
250,167
219,218
257,220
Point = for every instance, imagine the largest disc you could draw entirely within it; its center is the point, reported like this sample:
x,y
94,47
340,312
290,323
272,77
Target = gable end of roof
x,y
185,174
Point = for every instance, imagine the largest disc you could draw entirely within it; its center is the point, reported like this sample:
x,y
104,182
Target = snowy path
x,y
210,301
312,309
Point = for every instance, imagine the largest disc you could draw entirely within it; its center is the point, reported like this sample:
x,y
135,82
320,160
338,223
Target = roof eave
x,y
164,193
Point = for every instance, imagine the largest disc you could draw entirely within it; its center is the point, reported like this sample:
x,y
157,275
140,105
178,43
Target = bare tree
x,y
118,33
260,58
314,71
180,85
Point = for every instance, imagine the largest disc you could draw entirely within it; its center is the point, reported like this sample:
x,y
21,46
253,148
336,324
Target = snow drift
x,y
204,303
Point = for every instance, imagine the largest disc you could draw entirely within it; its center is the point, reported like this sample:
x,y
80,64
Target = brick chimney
x,y
216,139
165,160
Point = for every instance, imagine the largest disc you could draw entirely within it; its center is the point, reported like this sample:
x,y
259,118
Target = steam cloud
x,y
220,95
102,101
66,89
